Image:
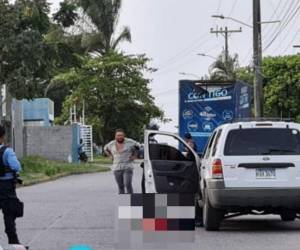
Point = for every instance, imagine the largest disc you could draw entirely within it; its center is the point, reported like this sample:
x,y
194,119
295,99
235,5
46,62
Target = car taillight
x,y
217,171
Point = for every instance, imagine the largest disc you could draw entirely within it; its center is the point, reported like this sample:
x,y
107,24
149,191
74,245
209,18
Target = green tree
x,y
96,23
64,56
33,50
245,74
25,59
224,70
66,15
282,86
115,92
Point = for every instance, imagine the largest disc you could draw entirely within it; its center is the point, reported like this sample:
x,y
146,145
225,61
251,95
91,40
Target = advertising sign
x,y
203,107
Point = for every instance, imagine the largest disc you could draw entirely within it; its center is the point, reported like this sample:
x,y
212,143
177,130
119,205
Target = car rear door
x,y
168,169
262,157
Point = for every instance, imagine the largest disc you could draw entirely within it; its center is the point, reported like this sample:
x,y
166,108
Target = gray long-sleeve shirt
x,y
121,159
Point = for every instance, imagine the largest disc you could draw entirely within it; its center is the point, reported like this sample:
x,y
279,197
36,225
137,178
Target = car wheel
x,y
288,216
212,217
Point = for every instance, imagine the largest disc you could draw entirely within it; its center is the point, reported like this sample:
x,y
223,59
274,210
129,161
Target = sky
x,y
173,32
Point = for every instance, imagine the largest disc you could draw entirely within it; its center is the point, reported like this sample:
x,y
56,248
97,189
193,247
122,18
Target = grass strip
x,y
37,169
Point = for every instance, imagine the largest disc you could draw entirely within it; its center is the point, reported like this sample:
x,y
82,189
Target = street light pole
x,y
257,58
241,22
231,18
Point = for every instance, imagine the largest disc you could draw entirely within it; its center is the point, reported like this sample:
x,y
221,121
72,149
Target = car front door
x,y
171,166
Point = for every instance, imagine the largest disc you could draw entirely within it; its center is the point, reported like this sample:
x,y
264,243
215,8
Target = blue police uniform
x,y
8,196
10,160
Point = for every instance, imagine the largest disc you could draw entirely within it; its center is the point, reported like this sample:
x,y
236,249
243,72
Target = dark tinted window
x,y
263,141
166,147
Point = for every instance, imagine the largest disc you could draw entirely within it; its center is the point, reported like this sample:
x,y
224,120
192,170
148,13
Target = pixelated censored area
x,y
156,212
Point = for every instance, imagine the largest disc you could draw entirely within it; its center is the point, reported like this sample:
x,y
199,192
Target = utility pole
x,y
225,32
257,58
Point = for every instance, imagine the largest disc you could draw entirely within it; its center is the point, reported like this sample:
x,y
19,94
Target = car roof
x,y
258,124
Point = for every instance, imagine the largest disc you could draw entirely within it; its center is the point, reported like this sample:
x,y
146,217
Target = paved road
x,y
82,209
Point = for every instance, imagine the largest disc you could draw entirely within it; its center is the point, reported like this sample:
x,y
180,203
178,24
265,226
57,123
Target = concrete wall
x,y
53,143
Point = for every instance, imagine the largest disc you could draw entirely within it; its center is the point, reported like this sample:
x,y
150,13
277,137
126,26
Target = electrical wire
x,y
268,30
232,10
287,10
186,62
292,41
217,12
203,38
289,31
289,18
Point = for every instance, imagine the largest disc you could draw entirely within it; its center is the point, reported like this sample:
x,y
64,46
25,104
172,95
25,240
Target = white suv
x,y
251,168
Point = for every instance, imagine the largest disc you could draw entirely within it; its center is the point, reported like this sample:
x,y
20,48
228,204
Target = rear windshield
x,y
263,141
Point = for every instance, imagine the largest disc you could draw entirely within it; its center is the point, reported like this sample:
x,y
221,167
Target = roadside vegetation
x,y
37,169
281,82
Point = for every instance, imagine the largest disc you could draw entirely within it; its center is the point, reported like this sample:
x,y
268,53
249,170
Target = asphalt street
x,y
82,209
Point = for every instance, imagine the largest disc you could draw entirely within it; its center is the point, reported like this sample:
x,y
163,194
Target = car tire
x,y
288,216
212,217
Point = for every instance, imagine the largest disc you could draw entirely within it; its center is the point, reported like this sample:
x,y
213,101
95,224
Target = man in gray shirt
x,y
123,152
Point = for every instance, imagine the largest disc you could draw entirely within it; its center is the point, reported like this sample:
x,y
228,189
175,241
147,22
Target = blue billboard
x,y
203,107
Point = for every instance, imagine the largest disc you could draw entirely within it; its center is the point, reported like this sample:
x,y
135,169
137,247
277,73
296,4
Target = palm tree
x,y
103,17
96,23
224,70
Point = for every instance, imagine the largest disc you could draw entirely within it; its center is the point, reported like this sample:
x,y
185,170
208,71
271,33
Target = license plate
x,y
265,173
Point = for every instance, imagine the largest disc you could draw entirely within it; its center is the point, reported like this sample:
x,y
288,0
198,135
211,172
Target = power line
x,y
184,55
287,36
184,63
279,32
269,33
286,12
292,41
275,11
166,71
217,11
186,50
290,17
232,10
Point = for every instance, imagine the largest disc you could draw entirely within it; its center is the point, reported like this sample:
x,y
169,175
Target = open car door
x,y
171,166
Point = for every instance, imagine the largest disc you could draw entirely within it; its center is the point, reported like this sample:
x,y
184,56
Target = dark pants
x,y
124,179
143,179
7,194
143,183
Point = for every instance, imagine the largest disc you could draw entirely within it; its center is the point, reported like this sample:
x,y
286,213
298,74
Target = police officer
x,y
189,140
9,203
